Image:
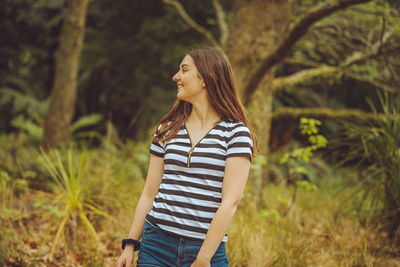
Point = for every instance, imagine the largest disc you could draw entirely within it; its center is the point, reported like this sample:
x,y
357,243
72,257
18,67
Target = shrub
x,y
375,147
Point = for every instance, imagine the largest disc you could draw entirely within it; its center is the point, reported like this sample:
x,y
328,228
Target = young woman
x,y
200,160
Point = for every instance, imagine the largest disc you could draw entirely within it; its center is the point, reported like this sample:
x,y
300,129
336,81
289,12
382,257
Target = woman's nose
x,y
176,77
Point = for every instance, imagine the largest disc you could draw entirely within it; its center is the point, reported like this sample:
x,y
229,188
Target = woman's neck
x,y
203,115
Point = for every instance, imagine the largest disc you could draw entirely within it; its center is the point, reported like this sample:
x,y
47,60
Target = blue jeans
x,y
161,249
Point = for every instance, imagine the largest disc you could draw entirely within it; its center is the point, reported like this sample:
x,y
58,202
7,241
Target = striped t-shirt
x,y
191,188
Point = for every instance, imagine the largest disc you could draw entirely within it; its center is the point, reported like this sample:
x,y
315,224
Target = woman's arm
x,y
145,203
236,172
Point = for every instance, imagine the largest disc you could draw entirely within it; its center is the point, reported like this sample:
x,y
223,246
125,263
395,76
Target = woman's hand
x,y
201,262
126,258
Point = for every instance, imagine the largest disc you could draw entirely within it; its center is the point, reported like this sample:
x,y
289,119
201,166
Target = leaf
x,y
85,121
59,231
88,224
27,125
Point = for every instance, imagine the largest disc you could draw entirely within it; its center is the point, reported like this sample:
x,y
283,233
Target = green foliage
x,y
308,127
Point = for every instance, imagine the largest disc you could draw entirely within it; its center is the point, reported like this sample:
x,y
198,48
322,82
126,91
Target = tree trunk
x,y
63,94
255,30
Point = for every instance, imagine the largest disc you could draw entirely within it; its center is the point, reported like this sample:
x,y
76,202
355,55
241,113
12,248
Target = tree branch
x,y
301,62
326,113
295,33
207,34
350,39
222,24
328,74
322,74
310,64
368,12
376,51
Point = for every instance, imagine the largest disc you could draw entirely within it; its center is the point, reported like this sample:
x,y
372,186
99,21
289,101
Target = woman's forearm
x,y
144,205
218,227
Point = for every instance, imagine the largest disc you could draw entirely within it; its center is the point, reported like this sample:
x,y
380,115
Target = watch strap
x,y
129,241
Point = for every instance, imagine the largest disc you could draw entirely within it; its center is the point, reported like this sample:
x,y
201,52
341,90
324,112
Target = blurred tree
x,y
256,38
63,94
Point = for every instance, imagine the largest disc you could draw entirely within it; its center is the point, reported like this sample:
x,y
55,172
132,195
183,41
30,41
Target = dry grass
x,y
315,232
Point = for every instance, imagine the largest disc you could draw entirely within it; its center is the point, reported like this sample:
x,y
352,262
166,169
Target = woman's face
x,y
190,84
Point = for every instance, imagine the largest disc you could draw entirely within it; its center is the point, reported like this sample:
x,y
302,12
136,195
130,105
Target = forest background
x,y
83,83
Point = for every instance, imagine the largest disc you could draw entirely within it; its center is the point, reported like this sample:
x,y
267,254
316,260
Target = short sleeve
x,y
240,143
157,148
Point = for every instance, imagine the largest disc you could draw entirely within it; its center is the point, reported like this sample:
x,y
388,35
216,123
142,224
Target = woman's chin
x,y
180,96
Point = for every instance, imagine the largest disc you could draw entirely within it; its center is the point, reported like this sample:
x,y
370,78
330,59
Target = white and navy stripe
x,y
190,194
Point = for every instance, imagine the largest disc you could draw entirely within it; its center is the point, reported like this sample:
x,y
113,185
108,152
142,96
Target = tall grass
x,y
375,146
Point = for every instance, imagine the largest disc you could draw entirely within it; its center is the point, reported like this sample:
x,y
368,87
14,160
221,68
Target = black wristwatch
x,y
130,241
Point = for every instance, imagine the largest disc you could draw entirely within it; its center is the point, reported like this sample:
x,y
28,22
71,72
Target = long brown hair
x,y
214,67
